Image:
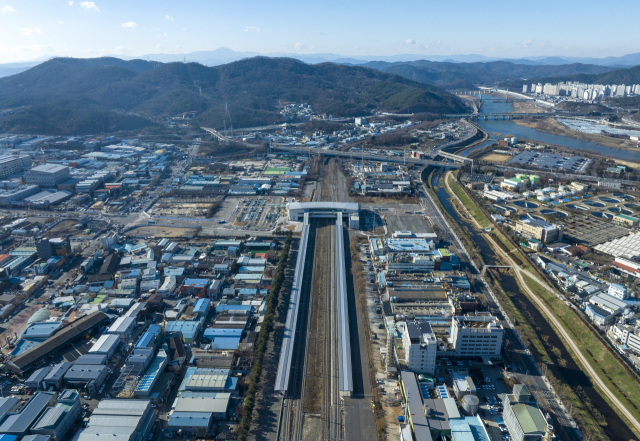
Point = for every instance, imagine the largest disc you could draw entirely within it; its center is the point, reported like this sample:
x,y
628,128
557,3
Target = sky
x,y
36,29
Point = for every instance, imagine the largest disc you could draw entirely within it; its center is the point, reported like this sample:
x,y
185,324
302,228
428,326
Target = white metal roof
x,y
344,206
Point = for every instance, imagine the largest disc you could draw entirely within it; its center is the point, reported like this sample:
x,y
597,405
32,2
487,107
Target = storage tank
x,y
470,404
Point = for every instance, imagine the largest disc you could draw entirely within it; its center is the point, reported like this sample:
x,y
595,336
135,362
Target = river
x,y
508,127
563,364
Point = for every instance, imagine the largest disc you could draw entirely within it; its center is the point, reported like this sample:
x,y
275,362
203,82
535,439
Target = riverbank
x,y
484,137
607,373
550,125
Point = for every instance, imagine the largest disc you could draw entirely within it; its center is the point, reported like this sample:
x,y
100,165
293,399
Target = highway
x,y
357,156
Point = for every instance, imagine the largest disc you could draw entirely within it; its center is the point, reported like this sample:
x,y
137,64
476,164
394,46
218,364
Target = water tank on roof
x,y
470,404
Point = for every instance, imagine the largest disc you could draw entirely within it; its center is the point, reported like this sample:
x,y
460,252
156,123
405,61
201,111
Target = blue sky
x,y
31,29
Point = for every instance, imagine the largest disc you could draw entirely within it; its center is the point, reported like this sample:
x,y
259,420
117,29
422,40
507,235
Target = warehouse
x,y
188,329
522,416
121,420
151,375
208,380
107,345
36,379
57,420
91,359
140,357
20,423
55,376
215,403
123,326
65,336
41,330
197,423
81,374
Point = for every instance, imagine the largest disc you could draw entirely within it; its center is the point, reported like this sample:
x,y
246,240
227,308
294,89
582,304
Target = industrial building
x,y
10,165
194,411
625,220
107,345
57,420
55,378
36,379
208,380
124,420
420,347
151,375
47,175
67,335
19,424
49,247
123,326
188,329
41,330
540,230
477,335
83,374
522,416
91,359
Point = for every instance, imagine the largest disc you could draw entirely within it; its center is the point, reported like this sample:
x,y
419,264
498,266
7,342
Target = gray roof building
x,y
75,330
56,374
141,357
91,359
8,405
20,423
83,373
120,420
36,379
106,345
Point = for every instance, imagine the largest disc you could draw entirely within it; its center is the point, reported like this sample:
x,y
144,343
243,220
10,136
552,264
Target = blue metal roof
x,y
201,306
155,369
225,343
211,333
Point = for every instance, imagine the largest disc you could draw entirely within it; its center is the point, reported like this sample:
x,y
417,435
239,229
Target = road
x,y
359,155
519,272
520,358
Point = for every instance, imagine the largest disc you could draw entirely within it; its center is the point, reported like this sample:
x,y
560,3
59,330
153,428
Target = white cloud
x,y
184,29
60,22
29,31
526,43
414,43
89,6
70,3
123,48
299,45
251,29
168,17
130,24
6,9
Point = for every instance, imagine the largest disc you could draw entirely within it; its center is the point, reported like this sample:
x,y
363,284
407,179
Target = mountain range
x,y
76,96
225,55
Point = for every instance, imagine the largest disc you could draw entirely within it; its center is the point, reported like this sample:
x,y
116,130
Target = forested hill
x,y
464,75
67,95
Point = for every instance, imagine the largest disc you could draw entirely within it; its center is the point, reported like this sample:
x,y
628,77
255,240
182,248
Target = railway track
x,y
322,289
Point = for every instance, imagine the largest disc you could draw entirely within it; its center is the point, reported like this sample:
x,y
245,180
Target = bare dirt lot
x,y
67,227
156,231
182,209
494,157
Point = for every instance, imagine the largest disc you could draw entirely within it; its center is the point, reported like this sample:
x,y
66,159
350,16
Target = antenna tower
x,y
227,116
